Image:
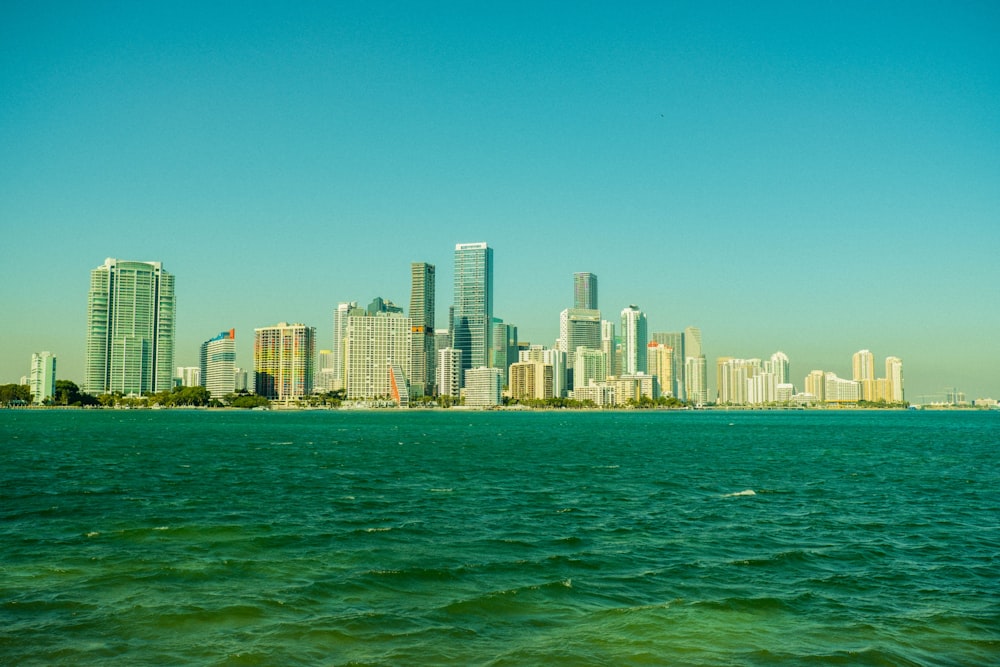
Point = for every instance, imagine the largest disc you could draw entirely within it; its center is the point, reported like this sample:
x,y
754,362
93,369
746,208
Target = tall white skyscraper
x,y
780,367
633,340
218,364
894,376
449,372
375,345
609,347
473,316
42,379
130,328
344,309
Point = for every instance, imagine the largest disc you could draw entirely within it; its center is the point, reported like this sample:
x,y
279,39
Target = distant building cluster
x,y
380,353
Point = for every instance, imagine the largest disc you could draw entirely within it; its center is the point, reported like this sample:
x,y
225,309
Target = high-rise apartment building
x,y
894,379
188,376
130,328
695,367
779,365
839,390
449,372
531,379
696,379
422,325
863,364
471,328
675,341
585,291
483,388
578,327
589,365
609,346
42,379
284,360
633,341
378,353
660,364
344,309
218,364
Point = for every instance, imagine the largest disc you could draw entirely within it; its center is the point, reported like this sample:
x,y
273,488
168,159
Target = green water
x,y
394,538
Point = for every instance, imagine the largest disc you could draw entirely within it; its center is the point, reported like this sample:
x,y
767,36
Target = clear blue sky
x,y
811,177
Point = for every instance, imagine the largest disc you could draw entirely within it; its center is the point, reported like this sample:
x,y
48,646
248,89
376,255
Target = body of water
x,y
465,538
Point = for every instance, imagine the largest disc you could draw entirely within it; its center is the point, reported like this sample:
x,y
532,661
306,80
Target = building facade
x,y
531,379
695,367
42,379
449,372
483,388
863,366
585,291
894,379
472,324
660,364
675,341
634,341
218,364
590,366
340,315
130,328
422,327
578,327
284,360
375,345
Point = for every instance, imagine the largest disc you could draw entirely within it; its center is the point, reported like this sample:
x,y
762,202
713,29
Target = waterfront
x,y
437,537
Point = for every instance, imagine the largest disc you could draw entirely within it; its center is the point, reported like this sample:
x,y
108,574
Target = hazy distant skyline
x,y
816,180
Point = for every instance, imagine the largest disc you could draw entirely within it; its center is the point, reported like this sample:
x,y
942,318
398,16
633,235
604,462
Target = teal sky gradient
x,y
811,177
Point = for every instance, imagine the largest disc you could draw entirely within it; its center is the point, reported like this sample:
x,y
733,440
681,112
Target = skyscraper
x,y
422,326
863,363
894,377
660,364
43,377
344,308
284,360
130,328
780,367
675,341
585,291
633,340
375,346
473,319
578,328
449,372
504,351
218,364
695,367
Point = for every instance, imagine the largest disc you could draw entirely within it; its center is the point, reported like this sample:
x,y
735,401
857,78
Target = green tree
x,y
15,394
250,401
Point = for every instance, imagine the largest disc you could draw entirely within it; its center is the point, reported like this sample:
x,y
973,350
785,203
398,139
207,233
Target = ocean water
x,y
463,538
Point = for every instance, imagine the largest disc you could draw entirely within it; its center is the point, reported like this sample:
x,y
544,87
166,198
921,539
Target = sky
x,y
816,178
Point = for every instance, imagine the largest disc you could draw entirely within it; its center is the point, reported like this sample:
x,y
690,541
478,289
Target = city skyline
x,y
814,181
